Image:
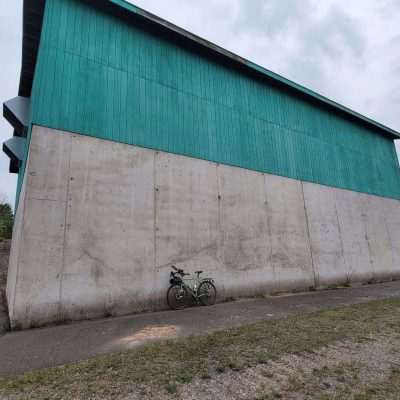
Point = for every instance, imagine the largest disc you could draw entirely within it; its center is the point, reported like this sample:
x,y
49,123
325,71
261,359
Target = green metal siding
x,y
103,77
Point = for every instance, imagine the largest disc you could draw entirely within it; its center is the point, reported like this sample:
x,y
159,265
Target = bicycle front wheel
x,y
207,293
177,297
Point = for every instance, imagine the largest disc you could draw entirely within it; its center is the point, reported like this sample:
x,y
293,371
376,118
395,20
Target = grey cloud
x,y
395,69
329,34
318,40
271,17
333,34
387,8
394,95
395,40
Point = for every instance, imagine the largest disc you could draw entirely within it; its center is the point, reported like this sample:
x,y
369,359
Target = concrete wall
x,y
99,224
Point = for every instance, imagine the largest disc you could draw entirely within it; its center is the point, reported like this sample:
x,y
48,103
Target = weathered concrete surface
x,y
47,347
392,220
16,246
377,236
100,223
325,235
290,244
37,293
349,206
186,200
33,287
245,240
108,265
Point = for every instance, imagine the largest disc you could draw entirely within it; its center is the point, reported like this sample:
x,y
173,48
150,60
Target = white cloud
x,y
10,65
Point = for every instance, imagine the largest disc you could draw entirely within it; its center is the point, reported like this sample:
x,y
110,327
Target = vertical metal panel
x,y
99,76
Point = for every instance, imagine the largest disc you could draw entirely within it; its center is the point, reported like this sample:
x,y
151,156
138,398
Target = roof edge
x,y
34,9
256,67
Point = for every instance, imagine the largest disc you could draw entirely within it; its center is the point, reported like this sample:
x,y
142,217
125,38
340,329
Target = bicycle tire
x,y
175,302
211,298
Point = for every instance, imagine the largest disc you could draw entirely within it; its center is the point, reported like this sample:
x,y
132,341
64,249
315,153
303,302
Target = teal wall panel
x,y
100,76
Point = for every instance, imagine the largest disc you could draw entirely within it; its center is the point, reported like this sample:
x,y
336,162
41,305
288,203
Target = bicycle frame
x,y
184,286
192,288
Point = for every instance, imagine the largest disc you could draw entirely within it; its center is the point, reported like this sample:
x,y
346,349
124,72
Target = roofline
x,y
33,12
127,10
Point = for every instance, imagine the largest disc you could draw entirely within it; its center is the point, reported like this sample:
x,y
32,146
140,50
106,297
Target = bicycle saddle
x,y
198,272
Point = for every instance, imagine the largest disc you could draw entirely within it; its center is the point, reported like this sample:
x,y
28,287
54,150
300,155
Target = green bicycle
x,y
201,290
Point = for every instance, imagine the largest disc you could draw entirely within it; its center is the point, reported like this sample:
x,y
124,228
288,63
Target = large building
x,y
139,145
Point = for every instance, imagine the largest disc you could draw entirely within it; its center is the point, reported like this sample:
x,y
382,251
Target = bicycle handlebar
x,y
179,271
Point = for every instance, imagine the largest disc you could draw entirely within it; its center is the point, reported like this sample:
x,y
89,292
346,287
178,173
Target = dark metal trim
x,y
17,111
33,13
15,150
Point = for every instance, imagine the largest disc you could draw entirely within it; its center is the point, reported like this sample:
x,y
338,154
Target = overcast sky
x,y
347,50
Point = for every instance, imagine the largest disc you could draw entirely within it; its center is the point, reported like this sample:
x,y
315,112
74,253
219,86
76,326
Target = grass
x,y
166,365
389,389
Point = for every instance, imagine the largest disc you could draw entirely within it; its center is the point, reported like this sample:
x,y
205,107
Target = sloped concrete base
x,y
99,224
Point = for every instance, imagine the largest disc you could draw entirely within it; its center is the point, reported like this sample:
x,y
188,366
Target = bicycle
x,y
182,289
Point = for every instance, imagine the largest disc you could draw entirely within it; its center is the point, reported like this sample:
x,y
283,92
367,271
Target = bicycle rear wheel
x,y
207,293
177,297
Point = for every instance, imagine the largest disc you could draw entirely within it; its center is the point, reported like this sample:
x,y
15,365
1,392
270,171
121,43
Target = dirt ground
x,y
350,352
341,370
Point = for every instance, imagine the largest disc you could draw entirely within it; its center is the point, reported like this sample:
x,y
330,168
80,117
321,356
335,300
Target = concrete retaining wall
x,y
99,224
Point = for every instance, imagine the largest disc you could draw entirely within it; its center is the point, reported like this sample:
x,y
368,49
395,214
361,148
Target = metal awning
x,y
16,111
15,149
